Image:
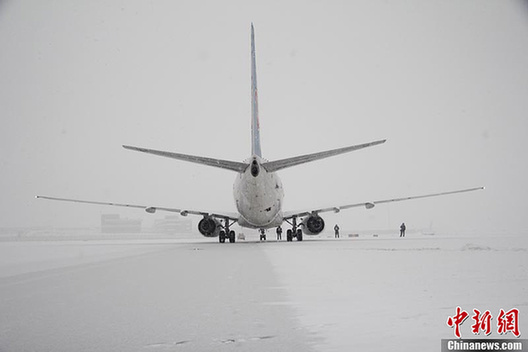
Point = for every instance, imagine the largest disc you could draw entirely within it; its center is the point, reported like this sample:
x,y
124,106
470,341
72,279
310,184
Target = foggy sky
x,y
446,82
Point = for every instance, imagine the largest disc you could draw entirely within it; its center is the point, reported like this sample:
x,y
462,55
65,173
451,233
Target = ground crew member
x,y
402,229
279,233
336,229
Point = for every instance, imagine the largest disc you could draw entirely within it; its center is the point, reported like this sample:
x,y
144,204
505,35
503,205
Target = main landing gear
x,y
294,231
227,233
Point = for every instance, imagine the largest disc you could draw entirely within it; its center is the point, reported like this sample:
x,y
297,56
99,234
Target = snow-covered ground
x,y
365,293
395,294
154,295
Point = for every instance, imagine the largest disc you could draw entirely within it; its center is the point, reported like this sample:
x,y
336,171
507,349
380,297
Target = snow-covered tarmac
x,y
363,294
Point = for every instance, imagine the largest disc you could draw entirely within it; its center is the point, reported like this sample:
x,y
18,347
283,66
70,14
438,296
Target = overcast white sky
x,y
446,82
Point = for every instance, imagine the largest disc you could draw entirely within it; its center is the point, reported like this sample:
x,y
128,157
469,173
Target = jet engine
x,y
209,227
313,225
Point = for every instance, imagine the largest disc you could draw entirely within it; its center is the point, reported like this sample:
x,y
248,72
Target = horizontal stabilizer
x,y
223,164
297,160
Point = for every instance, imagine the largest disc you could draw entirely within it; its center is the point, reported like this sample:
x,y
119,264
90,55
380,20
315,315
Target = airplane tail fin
x,y
255,127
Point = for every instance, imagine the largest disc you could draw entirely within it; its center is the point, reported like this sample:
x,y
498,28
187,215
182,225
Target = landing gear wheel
x,y
231,236
289,236
222,237
299,235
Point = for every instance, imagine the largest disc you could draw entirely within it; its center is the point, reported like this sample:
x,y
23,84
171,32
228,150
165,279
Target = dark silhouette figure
x,y
336,230
279,233
402,229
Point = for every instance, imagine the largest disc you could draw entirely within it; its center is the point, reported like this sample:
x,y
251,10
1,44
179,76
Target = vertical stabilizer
x,y
255,127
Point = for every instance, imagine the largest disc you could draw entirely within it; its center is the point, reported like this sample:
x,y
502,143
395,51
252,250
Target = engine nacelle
x,y
209,227
313,225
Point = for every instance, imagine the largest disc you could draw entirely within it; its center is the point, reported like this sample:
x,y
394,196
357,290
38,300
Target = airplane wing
x,y
223,164
151,209
370,205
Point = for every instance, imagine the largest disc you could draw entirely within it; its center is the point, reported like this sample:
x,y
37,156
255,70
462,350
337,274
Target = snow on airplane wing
x,y
150,209
369,205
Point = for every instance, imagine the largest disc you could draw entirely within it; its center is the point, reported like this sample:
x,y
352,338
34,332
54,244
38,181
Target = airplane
x,y
257,189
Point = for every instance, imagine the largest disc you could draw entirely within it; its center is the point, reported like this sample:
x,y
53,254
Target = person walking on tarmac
x,y
279,233
402,229
336,230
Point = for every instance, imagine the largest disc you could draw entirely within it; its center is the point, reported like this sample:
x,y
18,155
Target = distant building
x,y
112,223
173,224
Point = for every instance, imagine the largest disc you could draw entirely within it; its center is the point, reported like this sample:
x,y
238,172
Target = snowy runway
x,y
192,297
394,294
322,295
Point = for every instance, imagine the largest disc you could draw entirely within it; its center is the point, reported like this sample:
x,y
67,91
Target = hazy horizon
x,y
446,83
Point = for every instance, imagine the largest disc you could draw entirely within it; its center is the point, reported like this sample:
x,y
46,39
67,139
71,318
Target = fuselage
x,y
258,196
